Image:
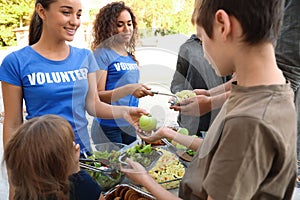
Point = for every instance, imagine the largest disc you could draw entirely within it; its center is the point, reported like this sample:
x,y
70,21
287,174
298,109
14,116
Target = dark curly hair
x,y
105,27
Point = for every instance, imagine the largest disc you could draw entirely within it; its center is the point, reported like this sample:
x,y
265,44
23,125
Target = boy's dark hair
x,y
260,19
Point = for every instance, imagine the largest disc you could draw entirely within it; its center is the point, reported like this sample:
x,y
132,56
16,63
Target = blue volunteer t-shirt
x,y
53,87
121,70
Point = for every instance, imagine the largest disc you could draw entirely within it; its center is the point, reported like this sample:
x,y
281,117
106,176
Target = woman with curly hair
x,y
50,167
115,33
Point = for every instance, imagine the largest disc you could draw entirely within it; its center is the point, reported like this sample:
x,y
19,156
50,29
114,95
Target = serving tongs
x,y
93,168
103,162
111,173
105,168
174,99
170,146
162,93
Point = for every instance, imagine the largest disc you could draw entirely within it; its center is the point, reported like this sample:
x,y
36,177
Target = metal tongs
x,y
92,168
162,93
108,172
174,99
104,168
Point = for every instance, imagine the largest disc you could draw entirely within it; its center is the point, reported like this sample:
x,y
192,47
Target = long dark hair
x,y
105,27
40,157
36,23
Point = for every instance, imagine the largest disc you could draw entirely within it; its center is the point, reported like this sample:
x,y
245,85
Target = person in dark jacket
x,y
194,72
288,57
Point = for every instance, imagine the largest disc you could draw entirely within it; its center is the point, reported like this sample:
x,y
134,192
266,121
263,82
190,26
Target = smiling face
x,y
124,27
61,20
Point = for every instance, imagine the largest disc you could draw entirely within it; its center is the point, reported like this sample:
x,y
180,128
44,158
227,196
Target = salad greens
x,y
143,154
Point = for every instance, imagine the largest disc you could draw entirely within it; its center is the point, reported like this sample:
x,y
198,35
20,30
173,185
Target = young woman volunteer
x,y
115,33
53,77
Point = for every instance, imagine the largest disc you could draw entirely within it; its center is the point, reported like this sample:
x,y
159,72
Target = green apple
x,y
183,131
180,146
147,123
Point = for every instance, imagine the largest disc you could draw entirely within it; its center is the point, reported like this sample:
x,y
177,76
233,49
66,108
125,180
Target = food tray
x,y
153,158
107,174
182,154
122,191
106,179
169,169
171,184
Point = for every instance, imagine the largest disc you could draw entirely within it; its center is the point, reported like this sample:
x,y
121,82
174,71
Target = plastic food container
x,y
103,165
168,170
148,159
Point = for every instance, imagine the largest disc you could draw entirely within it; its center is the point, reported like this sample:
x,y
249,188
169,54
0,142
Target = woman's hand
x,y
140,90
133,115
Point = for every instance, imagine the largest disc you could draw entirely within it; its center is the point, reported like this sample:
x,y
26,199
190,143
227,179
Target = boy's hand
x,y
134,171
195,106
154,136
202,92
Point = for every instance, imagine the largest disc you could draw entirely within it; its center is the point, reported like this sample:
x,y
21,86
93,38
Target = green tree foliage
x,y
13,14
163,16
159,17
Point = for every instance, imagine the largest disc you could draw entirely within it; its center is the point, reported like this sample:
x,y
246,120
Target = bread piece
x,y
110,196
123,192
128,194
118,190
134,196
